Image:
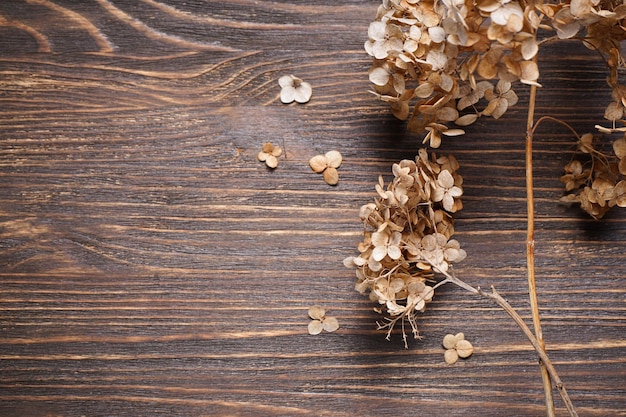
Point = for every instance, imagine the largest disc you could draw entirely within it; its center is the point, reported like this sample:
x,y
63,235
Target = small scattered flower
x,y
327,165
456,347
320,321
294,89
269,154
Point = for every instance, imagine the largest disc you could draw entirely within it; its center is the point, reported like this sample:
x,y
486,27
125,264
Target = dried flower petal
x,y
333,159
331,176
330,324
451,356
315,327
318,163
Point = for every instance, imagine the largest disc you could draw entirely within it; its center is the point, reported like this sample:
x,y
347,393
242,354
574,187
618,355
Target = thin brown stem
x,y
537,345
530,250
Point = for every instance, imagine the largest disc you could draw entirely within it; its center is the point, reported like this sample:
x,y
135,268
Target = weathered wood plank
x,y
149,265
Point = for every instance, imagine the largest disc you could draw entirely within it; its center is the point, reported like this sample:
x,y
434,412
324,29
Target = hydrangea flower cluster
x,y
407,237
454,61
597,182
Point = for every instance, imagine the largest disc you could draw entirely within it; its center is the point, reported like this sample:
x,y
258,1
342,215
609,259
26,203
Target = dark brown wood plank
x,y
149,265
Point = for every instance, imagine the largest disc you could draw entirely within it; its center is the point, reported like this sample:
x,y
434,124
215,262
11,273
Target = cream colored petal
x,y
333,159
331,176
271,161
379,76
450,356
262,156
303,92
379,253
330,324
449,341
394,252
377,31
317,312
466,120
285,81
315,327
464,349
318,163
288,94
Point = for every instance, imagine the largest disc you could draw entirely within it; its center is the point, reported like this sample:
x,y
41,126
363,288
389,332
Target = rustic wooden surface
x,y
151,266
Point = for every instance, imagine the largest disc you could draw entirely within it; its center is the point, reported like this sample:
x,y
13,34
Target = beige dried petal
x,y
451,356
614,111
268,147
453,132
317,312
315,327
318,163
530,72
262,156
449,341
464,349
331,176
277,151
330,324
529,48
271,161
466,120
619,147
333,159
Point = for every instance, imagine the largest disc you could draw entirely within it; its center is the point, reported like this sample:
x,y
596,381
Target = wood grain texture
x,y
150,266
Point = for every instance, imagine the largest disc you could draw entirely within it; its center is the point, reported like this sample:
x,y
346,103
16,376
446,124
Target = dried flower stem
x,y
534,341
530,249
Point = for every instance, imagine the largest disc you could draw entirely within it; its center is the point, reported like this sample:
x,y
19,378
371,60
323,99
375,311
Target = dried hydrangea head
x,y
320,321
327,165
407,237
294,89
596,180
442,59
456,347
269,154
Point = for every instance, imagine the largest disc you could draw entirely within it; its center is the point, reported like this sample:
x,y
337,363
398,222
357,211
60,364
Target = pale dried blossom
x,y
436,62
327,165
269,154
407,237
456,347
320,321
597,179
294,89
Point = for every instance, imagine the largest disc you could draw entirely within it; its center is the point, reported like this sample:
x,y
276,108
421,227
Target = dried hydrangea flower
x,y
269,154
294,89
320,321
596,180
430,56
407,237
456,347
327,165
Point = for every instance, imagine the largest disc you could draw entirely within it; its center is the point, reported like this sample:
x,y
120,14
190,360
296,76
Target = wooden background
x,y
151,266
